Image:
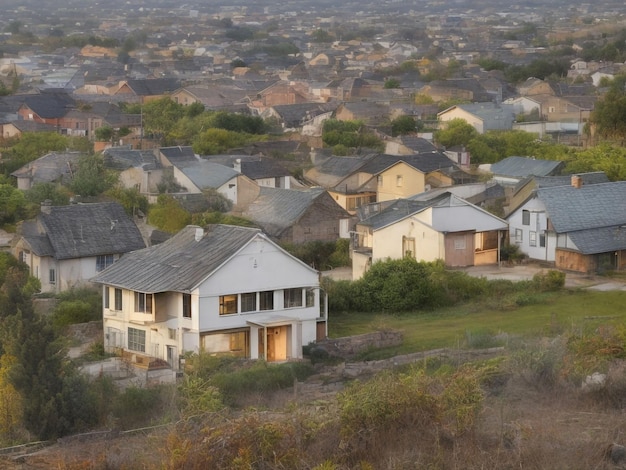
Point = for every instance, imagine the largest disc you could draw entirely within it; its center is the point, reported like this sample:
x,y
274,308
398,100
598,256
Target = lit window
x,y
228,304
136,340
293,298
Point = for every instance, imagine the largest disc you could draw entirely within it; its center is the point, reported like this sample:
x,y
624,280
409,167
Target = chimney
x,y
577,181
237,165
46,206
199,234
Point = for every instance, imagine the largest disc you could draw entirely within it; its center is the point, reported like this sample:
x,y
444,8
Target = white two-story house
x,y
223,290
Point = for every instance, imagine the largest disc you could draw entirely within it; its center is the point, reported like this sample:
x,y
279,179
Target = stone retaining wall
x,y
351,346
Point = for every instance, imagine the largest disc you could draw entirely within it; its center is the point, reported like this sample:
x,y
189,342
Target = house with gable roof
x,y
47,107
579,226
54,167
195,175
511,170
65,246
144,90
224,290
427,227
293,216
482,116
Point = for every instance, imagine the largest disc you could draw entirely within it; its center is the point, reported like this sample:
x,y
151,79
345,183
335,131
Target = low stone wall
x,y
351,346
86,332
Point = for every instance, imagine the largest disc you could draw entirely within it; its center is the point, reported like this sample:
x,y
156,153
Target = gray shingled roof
x,y
50,105
424,162
333,170
179,155
524,166
179,264
208,174
153,86
49,168
586,208
276,209
82,230
122,158
600,240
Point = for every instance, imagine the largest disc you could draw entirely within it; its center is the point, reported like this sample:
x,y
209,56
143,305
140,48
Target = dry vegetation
x,y
523,410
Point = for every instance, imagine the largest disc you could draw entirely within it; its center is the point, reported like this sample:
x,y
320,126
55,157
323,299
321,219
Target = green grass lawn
x,y
551,314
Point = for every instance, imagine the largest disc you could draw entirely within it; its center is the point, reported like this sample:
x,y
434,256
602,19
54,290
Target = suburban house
x,y
145,90
65,246
350,187
223,290
54,167
512,170
482,116
292,216
195,175
578,226
46,107
428,227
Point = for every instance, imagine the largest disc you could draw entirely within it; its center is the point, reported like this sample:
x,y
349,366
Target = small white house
x,y
226,290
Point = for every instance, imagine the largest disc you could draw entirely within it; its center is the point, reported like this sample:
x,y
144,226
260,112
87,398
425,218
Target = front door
x,y
171,354
277,343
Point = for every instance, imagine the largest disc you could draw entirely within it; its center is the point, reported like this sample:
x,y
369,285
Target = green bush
x,y
73,311
141,406
549,281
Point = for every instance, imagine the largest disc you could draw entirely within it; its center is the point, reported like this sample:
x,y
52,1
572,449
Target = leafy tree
x,y
10,403
12,204
456,132
40,192
91,178
604,157
168,215
392,83
30,146
321,35
238,122
130,198
104,133
160,116
215,141
404,125
609,114
194,109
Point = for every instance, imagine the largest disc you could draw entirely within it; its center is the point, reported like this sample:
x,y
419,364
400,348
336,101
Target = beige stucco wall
x,y
400,181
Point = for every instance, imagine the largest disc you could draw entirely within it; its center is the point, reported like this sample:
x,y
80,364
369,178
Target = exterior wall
x,y
459,249
184,97
458,113
400,181
538,224
389,242
146,181
184,181
247,192
253,269
361,262
574,261
351,202
321,222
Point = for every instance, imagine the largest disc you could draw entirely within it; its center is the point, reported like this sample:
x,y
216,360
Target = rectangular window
x,y
228,304
103,262
186,305
532,238
52,276
310,297
525,217
143,302
266,300
542,238
518,235
106,296
379,179
399,181
460,243
136,340
171,333
293,298
248,302
118,299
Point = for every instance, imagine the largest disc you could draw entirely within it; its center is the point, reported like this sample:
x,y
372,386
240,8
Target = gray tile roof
x,y
49,168
122,158
153,86
258,169
333,170
524,166
180,263
50,105
600,240
589,207
276,209
205,174
424,162
179,155
82,230
398,210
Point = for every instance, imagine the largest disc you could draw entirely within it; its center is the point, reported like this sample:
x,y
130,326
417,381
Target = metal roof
x,y
181,263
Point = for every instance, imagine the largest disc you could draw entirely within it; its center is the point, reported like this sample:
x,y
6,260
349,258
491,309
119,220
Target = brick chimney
x,y
577,181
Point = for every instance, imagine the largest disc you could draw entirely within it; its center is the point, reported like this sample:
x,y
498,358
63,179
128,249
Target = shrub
x,y
140,406
73,311
549,281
